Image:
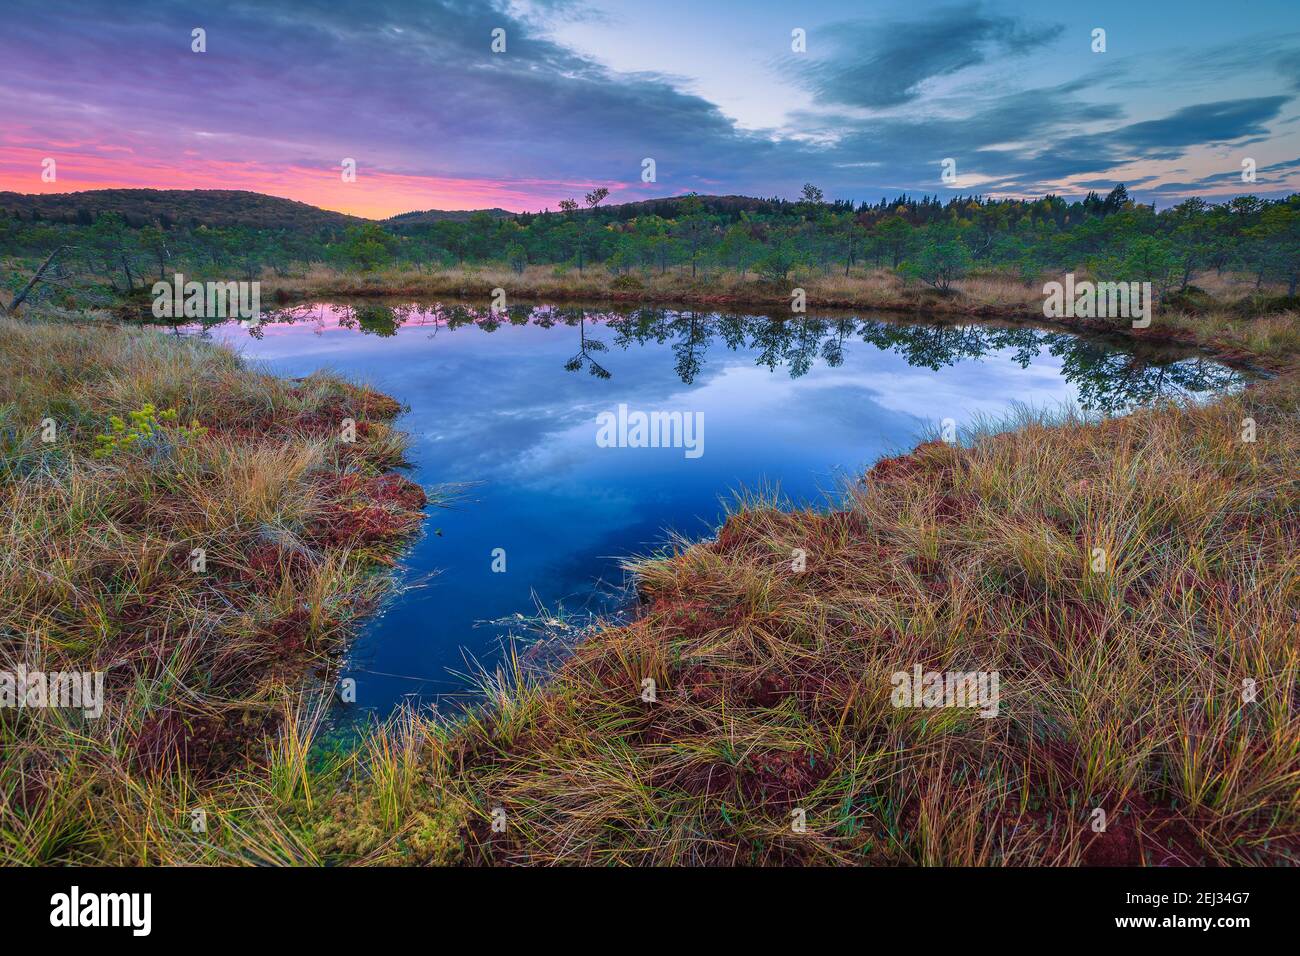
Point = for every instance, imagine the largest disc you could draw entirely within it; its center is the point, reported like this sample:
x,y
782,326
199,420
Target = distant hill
x,y
423,218
233,207
668,206
189,207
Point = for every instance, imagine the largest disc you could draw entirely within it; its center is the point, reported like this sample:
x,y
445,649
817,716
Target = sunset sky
x,y
712,91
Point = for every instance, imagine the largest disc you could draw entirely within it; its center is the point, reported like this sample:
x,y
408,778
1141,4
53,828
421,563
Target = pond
x,y
547,418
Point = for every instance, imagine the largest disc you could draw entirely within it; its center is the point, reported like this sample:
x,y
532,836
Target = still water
x,y
506,409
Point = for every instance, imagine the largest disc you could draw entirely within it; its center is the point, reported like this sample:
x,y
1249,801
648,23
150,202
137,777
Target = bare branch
x,y
33,282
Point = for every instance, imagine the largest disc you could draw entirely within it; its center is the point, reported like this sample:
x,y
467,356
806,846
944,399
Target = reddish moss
x,y
206,744
360,510
955,507
927,458
691,619
782,776
291,631
267,561
708,779
703,685
1139,834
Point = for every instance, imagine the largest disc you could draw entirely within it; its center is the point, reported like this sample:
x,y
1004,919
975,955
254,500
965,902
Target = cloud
x,y
405,86
1203,124
1267,176
1040,122
1108,184
1288,64
883,65
413,92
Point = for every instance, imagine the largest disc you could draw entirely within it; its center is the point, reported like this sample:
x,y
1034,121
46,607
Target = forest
x,y
90,253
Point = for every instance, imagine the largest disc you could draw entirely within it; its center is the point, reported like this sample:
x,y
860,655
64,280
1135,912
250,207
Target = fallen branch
x,y
32,283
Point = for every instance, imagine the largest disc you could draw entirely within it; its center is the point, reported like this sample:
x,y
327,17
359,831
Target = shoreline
x,y
549,754
421,790
1175,327
696,609
233,534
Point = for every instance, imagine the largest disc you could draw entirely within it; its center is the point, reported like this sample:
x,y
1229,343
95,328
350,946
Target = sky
x,y
585,91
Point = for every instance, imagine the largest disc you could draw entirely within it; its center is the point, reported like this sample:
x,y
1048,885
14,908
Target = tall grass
x,y
1160,689
1226,314
203,663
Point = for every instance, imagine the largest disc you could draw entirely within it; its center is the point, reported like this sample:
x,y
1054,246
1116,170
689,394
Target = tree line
x,y
927,240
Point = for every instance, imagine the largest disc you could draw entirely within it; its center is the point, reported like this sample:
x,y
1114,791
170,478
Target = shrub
x,y
627,282
148,429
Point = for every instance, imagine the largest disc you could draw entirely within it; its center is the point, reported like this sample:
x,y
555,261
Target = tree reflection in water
x,y
1110,377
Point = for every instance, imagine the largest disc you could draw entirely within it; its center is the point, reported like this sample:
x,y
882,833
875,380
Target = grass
x,y
1161,689
1211,317
880,288
205,662
1120,690
987,294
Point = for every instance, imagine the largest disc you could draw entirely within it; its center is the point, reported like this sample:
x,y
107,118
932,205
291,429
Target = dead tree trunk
x,y
33,282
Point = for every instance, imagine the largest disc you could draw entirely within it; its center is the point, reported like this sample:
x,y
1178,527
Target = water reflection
x,y
798,405
1109,377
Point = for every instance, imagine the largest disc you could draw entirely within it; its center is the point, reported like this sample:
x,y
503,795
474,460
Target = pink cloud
x,y
375,193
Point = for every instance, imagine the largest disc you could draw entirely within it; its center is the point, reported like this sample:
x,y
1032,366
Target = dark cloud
x,y
1107,184
1288,64
911,147
1203,124
1267,175
1277,48
403,85
411,86
882,65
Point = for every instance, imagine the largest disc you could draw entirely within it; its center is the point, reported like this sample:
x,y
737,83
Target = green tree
x,y
895,236
1279,231
776,264
153,241
516,257
941,261
366,248
693,224
1151,259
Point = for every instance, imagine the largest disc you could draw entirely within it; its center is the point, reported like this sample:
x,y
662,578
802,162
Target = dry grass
x,y
879,288
1227,321
865,288
1120,690
201,667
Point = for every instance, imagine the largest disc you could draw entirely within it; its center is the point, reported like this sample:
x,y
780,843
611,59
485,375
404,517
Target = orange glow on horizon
x,y
374,195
